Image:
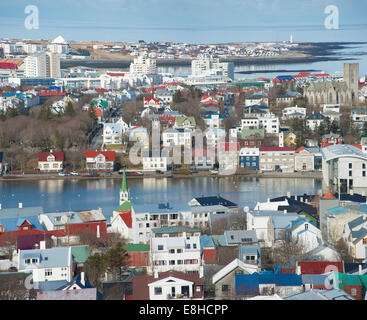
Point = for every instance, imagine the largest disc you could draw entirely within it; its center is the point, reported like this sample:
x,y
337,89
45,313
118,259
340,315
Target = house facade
x,y
50,161
99,160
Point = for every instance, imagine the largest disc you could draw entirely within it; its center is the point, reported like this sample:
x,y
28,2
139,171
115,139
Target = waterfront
x,y
350,53
80,194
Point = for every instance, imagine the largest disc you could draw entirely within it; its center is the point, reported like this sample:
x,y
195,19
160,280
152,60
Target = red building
x,y
319,267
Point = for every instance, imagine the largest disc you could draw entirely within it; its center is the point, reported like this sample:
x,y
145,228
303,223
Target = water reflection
x,y
82,194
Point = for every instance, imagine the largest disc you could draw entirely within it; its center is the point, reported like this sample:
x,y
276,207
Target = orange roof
x,y
328,195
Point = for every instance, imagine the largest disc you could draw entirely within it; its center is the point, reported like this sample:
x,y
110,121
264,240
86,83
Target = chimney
x,y
42,245
351,192
155,274
20,205
288,194
98,231
268,200
298,269
0,206
82,278
285,211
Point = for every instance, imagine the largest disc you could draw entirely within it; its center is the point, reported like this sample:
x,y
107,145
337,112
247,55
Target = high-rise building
x,y
205,67
59,45
351,78
42,64
143,65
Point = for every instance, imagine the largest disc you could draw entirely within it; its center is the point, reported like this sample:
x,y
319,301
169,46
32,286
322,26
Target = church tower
x,y
351,78
124,191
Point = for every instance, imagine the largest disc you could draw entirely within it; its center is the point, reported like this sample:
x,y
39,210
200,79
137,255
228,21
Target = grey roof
x,y
215,208
356,222
73,217
155,209
240,236
249,249
333,294
20,212
48,258
175,229
342,150
358,235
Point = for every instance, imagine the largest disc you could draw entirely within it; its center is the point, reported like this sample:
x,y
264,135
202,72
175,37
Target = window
x,y
48,272
363,166
160,247
172,262
306,226
363,173
179,251
350,166
350,173
157,290
171,250
179,261
27,261
225,288
188,246
194,246
353,291
198,289
365,241
34,260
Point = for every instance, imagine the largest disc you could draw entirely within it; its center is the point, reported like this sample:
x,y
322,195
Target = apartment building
x,y
277,159
143,65
175,253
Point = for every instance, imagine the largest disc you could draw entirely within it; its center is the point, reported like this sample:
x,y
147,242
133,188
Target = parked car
x,y
159,171
61,173
74,173
12,269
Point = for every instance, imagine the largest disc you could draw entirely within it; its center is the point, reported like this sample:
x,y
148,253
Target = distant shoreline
x,y
295,175
305,52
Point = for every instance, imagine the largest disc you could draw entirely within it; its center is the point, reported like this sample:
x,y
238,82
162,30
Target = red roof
x,y
110,155
276,149
115,74
210,104
320,267
126,217
46,93
42,156
8,65
329,195
147,100
210,256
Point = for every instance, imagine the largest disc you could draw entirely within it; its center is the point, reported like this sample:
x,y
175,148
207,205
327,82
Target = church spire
x,y
124,191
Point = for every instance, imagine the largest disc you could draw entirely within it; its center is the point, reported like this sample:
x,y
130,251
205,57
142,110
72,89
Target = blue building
x,y
249,158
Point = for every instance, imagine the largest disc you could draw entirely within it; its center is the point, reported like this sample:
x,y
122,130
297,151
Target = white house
x,y
53,264
257,99
314,120
112,132
293,112
214,120
155,160
269,122
355,233
214,136
163,95
344,167
175,253
176,137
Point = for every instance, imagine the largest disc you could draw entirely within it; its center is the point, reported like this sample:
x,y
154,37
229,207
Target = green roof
x,y
80,253
247,133
175,229
137,247
124,206
343,279
180,120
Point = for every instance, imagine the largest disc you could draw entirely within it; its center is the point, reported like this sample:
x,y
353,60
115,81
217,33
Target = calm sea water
x,y
352,53
75,194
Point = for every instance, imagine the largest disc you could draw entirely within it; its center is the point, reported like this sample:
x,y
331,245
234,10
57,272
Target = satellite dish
x,y
64,218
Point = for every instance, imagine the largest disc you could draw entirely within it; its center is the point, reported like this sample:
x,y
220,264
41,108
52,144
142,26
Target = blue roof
x,y
363,207
249,283
48,258
12,224
337,210
206,241
285,78
51,285
20,212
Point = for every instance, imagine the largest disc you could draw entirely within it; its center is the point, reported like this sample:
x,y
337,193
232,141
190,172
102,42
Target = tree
x,y
58,140
364,128
177,97
69,110
95,267
288,252
45,114
342,249
46,144
115,258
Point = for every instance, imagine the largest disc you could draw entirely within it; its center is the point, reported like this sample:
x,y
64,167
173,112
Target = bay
x,y
82,194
